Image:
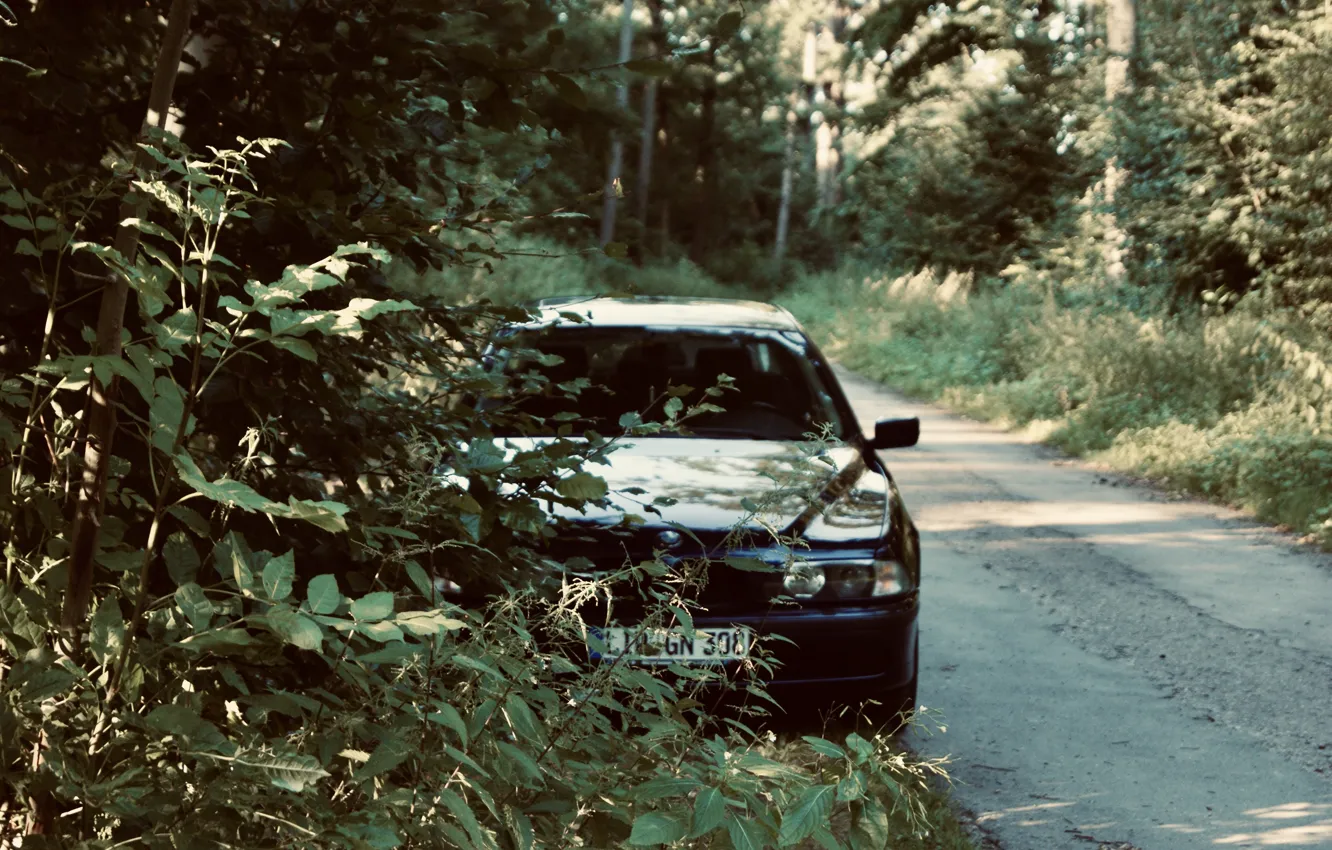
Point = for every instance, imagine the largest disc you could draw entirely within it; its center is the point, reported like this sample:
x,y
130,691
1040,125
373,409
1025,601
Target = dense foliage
x,y
297,484
244,683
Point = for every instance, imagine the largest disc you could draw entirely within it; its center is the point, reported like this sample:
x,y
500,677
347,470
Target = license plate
x,y
662,646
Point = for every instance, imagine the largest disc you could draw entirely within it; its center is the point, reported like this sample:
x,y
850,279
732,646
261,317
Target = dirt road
x,y
1115,667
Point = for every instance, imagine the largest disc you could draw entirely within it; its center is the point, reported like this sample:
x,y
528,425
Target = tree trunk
x,y
664,133
788,181
648,138
111,318
611,190
707,168
1121,43
809,68
823,158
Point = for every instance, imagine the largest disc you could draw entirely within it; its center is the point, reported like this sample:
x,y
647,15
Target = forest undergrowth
x,y
1227,406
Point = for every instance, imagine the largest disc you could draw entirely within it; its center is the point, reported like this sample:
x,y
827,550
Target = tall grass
x,y
1227,406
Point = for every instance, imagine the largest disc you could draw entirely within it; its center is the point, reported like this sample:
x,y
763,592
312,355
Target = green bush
x,y
264,670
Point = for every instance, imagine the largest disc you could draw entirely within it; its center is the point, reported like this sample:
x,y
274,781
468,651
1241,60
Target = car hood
x,y
713,486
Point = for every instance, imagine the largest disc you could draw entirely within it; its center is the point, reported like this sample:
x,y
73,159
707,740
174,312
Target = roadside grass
x,y
1228,407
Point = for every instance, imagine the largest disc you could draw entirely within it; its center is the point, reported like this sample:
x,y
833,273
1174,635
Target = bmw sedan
x,y
772,484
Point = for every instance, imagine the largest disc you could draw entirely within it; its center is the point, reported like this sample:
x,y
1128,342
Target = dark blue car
x,y
742,485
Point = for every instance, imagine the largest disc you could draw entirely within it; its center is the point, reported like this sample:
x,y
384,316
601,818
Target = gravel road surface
x,y
1116,668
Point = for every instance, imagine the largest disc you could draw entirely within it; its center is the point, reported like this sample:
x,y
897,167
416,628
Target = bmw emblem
x,y
669,539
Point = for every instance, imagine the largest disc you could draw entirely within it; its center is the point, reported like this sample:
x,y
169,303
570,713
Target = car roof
x,y
664,311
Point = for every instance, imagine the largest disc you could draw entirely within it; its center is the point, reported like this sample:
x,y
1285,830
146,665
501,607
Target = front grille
x,y
601,551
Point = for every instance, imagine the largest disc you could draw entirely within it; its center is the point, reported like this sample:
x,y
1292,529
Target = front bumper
x,y
836,654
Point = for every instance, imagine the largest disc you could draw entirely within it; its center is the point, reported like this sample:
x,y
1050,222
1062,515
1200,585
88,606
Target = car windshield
x,y
777,395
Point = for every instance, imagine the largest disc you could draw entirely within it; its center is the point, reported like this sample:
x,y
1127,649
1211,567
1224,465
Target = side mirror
x,y
896,433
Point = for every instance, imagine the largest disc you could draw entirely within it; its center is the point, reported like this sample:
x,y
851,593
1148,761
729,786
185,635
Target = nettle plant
x,y
259,671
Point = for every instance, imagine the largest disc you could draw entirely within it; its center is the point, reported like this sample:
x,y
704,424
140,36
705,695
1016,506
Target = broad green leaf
x,y
873,828
519,758
745,833
824,838
223,491
523,720
322,594
520,828
107,636
422,623
463,814
811,810
583,486
191,518
182,560
750,565
182,721
165,414
26,247
709,812
661,787
393,653
373,606
390,753
851,787
824,747
278,575
656,828
295,628
299,347
382,631
421,580
292,772
616,250
232,556
325,514
195,605
448,716
51,682
18,222
221,642
858,745
142,378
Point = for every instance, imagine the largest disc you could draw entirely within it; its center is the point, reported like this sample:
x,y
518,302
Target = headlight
x,y
859,579
804,580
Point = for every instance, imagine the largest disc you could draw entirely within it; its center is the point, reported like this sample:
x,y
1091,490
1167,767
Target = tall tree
x,y
111,319
648,137
706,163
612,189
788,185
1121,26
